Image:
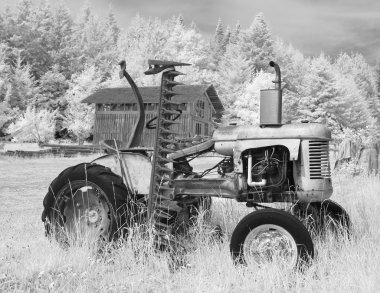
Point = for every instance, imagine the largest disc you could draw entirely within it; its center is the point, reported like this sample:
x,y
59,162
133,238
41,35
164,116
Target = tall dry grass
x,y
29,262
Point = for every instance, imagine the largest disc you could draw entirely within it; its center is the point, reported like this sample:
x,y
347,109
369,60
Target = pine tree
x,y
217,43
227,37
378,78
257,43
112,26
219,34
61,50
235,35
23,88
235,72
92,43
53,86
364,76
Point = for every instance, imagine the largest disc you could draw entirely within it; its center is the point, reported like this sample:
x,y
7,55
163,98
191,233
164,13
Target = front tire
x,y
269,234
87,202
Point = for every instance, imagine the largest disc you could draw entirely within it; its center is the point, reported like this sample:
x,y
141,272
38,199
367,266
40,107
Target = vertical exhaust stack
x,y
271,101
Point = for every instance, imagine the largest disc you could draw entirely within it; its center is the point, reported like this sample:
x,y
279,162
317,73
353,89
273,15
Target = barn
x,y
116,111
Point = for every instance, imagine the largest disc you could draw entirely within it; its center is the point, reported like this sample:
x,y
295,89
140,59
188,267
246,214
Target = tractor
x,y
259,165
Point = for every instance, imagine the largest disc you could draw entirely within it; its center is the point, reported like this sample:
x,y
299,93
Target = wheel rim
x,y
268,243
87,215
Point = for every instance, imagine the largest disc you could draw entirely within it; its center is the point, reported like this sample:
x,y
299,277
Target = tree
x,y
92,42
112,26
234,74
294,72
34,125
364,76
257,43
378,78
235,35
79,117
217,44
23,88
30,35
6,112
53,86
247,105
60,49
320,90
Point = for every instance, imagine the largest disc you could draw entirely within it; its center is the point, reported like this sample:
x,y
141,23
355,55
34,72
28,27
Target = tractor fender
x,y
134,168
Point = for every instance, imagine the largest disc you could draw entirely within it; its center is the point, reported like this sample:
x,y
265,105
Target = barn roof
x,y
124,95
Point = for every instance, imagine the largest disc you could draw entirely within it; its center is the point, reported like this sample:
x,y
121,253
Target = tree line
x,y
50,61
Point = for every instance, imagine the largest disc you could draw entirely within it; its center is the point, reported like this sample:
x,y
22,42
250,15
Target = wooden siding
x,y
118,125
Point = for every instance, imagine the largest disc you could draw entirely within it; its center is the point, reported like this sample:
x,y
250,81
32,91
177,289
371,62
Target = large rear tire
x,y
332,217
324,217
87,202
267,235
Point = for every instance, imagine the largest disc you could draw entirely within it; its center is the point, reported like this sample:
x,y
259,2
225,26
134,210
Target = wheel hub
x,y
93,216
87,215
267,243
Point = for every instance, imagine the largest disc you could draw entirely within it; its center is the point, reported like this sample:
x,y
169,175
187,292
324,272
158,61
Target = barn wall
x,y
203,121
118,125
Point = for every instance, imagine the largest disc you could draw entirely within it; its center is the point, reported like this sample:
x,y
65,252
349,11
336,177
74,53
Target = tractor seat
x,y
202,147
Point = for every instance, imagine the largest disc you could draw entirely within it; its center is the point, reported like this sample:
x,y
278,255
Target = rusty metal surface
x,y
225,188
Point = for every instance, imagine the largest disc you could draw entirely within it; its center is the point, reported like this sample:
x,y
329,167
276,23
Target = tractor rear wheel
x,y
268,235
87,202
323,217
332,217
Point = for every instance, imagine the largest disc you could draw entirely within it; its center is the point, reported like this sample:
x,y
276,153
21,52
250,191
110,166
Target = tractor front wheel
x,y
271,235
87,202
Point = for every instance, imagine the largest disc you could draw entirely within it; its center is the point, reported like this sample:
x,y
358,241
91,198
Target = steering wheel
x,y
150,125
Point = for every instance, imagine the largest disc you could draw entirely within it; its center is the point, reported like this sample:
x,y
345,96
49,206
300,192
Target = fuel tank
x,y
225,138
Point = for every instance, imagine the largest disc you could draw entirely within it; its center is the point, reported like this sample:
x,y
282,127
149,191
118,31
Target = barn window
x,y
183,107
99,107
114,107
106,107
198,128
206,129
151,106
131,107
120,107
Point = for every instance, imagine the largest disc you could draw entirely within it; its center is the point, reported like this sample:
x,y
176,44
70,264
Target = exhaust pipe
x,y
271,101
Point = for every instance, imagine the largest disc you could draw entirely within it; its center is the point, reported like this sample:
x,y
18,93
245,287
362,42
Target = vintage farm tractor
x,y
268,163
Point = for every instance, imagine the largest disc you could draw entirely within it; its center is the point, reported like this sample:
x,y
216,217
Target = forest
x,y
50,61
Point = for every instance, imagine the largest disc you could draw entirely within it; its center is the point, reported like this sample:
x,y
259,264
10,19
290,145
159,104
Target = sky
x,y
312,26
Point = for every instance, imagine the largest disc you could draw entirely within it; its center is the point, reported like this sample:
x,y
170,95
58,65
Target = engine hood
x,y
232,140
286,131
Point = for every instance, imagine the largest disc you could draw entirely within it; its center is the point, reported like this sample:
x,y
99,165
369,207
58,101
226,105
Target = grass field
x,y
30,263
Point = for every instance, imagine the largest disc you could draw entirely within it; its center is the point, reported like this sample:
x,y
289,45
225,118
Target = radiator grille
x,y
319,159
